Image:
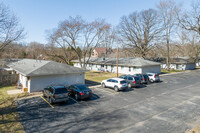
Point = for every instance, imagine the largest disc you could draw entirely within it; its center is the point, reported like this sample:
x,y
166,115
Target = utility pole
x,y
117,59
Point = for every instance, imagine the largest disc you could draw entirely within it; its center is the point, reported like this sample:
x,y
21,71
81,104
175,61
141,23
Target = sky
x,y
40,16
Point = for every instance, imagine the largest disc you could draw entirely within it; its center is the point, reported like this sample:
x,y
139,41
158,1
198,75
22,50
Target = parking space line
x,y
109,91
73,99
47,102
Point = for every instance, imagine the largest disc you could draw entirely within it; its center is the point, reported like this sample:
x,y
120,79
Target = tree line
x,y
167,31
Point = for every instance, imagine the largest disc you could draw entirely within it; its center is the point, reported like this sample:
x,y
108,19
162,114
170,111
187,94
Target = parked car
x,y
141,77
79,91
115,83
153,77
131,80
56,94
146,78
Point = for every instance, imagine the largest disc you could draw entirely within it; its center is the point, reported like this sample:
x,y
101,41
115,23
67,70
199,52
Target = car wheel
x,y
116,88
129,85
50,101
103,84
76,96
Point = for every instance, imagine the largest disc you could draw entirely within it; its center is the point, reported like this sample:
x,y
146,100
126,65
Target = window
x,y
82,87
130,78
129,68
122,67
106,67
60,90
122,82
102,65
114,81
110,80
125,77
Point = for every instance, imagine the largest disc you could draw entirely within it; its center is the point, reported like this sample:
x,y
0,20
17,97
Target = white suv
x,y
153,77
116,83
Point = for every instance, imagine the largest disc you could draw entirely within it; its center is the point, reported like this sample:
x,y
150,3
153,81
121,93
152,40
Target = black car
x,y
56,94
79,91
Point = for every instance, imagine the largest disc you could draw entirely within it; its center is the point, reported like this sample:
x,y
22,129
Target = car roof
x,y
118,79
58,87
78,85
151,73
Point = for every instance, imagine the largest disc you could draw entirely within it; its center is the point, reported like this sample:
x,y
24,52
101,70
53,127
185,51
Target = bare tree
x,y
190,21
139,30
81,36
10,29
109,39
35,50
168,9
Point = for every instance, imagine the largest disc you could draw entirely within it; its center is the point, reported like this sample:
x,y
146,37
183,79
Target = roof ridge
x,y
46,62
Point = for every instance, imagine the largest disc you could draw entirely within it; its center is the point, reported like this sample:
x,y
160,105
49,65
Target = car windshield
x,y
122,82
82,87
60,90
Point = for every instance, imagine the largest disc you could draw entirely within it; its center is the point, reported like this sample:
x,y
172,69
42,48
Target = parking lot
x,y
173,105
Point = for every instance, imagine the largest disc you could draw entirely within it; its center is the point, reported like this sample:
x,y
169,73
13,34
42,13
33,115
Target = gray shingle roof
x,y
131,61
30,67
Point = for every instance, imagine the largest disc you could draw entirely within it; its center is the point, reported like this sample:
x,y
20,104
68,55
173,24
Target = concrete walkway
x,y
13,92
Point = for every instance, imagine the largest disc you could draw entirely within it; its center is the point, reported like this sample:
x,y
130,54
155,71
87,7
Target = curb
x,y
27,97
95,86
187,71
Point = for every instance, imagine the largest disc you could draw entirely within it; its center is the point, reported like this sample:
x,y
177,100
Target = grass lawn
x,y
164,71
99,76
9,118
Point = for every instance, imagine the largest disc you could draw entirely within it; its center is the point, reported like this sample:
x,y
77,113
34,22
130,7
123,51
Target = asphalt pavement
x,y
171,106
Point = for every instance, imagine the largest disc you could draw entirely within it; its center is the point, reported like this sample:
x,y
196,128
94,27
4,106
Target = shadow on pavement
x,y
90,83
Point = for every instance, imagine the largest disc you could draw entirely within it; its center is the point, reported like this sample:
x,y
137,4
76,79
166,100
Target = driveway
x,y
170,106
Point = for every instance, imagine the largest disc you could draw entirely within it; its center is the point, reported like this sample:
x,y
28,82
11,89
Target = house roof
x,y
100,50
30,67
131,61
176,60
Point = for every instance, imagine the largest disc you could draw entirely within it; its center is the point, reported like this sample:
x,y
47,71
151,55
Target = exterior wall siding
x,y
151,69
122,69
188,66
23,80
39,82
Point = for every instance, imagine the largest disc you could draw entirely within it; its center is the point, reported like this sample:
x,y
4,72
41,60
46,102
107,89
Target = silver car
x,y
133,81
153,77
56,94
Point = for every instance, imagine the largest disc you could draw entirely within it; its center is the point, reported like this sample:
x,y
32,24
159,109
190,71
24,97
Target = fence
x,y
7,78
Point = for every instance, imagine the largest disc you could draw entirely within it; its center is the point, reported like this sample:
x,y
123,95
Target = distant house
x,y
101,52
125,65
180,63
34,75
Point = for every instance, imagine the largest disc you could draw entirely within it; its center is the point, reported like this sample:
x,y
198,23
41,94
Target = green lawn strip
x,y
164,71
99,76
9,118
